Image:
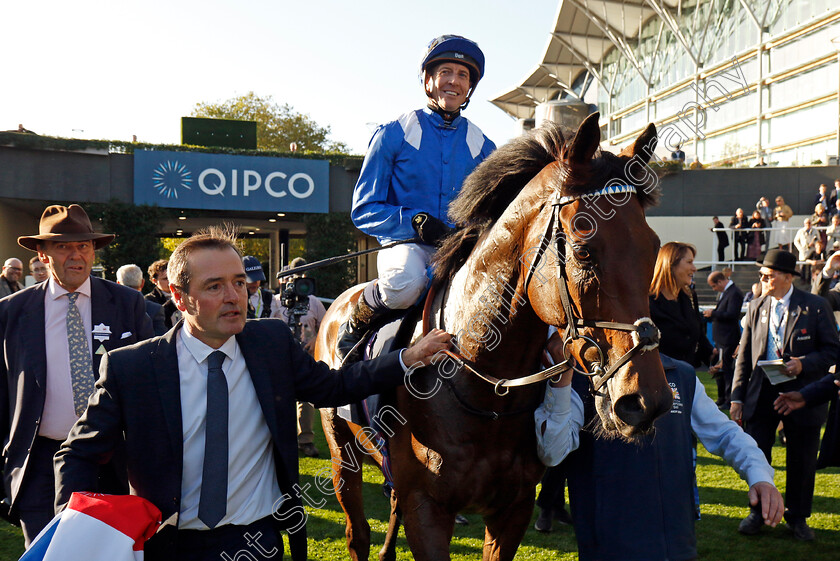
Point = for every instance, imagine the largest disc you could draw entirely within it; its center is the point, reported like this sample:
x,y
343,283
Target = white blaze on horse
x,y
550,233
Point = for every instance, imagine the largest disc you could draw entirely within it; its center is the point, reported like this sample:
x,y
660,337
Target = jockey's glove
x,y
430,230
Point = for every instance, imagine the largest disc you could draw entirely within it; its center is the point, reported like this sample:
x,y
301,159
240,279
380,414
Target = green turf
x,y
722,494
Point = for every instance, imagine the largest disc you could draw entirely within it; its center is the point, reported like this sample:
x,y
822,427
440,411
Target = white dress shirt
x,y
252,476
59,413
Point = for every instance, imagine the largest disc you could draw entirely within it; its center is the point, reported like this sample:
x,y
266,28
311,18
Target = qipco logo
x,y
277,184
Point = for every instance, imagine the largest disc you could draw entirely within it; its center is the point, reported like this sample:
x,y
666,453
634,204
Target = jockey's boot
x,y
353,330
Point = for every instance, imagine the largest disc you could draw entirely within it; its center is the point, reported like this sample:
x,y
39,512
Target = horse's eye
x,y
582,253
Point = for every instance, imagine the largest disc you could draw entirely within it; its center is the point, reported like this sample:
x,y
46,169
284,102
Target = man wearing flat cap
x,y
53,336
797,330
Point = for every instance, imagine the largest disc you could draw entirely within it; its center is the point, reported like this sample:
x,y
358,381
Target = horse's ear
x,y
644,145
586,141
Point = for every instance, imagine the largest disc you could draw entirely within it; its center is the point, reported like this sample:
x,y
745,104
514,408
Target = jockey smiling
x,y
413,168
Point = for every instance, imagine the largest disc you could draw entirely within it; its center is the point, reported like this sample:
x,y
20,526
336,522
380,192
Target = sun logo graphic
x,y
171,176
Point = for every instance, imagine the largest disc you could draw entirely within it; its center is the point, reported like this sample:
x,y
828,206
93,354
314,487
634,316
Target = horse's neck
x,y
484,302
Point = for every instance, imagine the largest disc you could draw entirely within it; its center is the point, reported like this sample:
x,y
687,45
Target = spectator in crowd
x,y
48,363
835,193
825,198
820,220
671,306
157,274
835,210
722,238
763,206
222,376
160,294
38,269
678,154
307,333
756,237
634,500
832,233
761,163
726,331
798,329
413,168
260,302
740,223
755,292
132,276
10,277
782,213
805,242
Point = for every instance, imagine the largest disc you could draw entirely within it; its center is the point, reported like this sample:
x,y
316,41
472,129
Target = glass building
x,y
730,80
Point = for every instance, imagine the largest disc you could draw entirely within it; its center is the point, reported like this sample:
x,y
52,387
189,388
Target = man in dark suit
x,y
726,331
45,387
798,328
132,276
207,414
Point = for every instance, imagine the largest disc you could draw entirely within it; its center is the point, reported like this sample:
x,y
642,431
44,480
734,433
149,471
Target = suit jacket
x,y
810,334
137,398
24,364
822,391
155,312
726,330
6,288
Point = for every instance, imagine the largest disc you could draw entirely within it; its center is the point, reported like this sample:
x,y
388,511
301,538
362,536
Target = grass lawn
x,y
722,494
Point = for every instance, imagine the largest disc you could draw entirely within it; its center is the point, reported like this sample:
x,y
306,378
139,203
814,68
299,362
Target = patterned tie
x,y
81,367
775,326
214,478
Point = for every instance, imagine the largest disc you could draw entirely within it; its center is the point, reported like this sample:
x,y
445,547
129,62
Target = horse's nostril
x,y
630,409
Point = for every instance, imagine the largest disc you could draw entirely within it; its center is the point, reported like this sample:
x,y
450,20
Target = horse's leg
x,y
347,480
505,529
389,548
428,527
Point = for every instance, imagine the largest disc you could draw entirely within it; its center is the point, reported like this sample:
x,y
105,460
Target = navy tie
x,y
214,478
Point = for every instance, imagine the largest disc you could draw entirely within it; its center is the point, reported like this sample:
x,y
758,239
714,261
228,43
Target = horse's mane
x,y
499,179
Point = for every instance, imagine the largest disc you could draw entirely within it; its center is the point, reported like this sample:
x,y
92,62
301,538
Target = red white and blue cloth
x,y
96,527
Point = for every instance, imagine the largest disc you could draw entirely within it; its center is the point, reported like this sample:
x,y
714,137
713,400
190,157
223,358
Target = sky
x,y
113,69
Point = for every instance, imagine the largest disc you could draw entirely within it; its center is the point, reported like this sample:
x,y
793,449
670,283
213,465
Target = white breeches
x,y
402,274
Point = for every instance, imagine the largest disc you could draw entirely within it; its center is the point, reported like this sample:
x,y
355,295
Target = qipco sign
x,y
225,182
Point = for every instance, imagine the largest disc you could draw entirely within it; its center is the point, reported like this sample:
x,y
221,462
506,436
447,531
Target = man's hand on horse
x,y
772,505
426,348
429,229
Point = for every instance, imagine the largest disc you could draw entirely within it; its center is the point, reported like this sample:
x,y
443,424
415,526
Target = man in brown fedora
x,y
797,331
53,336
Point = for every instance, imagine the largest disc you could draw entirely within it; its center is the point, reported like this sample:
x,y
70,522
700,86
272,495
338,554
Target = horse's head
x,y
593,244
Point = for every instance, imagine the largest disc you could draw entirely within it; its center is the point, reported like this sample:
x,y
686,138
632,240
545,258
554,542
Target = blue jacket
x,y
414,164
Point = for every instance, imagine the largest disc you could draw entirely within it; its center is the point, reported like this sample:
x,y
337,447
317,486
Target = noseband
x,y
644,332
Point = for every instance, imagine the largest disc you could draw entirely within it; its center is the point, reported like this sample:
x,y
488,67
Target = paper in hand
x,y
775,371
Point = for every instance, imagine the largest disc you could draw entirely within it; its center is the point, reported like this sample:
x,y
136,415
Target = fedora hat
x,y
779,260
65,224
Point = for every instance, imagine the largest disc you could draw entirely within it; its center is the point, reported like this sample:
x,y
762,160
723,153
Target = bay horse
x,y
461,444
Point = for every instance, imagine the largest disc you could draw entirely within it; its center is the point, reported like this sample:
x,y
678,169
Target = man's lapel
x,y
165,363
101,320
260,371
32,331
794,311
761,330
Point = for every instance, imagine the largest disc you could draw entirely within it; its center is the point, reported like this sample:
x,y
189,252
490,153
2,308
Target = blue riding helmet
x,y
454,48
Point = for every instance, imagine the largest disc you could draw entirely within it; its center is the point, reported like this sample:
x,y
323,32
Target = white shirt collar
x,y
785,299
56,291
200,350
728,284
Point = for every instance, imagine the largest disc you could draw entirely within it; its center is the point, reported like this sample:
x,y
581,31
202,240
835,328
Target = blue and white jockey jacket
x,y
414,164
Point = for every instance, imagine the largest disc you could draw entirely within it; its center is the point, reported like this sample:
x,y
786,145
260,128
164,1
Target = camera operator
x,y
303,313
261,302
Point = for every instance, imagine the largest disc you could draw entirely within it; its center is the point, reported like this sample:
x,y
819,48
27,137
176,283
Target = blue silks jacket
x,y
414,164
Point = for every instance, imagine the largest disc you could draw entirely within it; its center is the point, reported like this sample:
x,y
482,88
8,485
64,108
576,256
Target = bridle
x,y
644,332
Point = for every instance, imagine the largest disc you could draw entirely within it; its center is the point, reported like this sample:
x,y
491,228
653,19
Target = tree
x,y
277,125
341,240
137,230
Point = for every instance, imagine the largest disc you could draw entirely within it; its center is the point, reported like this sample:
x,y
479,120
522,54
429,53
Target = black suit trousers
x,y
803,441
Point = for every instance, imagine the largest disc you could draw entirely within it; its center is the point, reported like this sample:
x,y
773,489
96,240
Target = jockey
x,y
414,167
